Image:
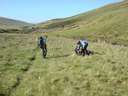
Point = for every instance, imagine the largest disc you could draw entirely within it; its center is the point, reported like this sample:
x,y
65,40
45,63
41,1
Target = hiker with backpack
x,y
81,48
42,44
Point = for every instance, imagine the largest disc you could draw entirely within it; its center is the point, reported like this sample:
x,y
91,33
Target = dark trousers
x,y
43,47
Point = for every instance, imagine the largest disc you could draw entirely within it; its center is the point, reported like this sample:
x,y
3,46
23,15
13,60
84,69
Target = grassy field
x,y
23,72
16,56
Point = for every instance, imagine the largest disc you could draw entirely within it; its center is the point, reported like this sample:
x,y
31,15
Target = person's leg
x,y
45,46
87,52
45,49
83,52
85,49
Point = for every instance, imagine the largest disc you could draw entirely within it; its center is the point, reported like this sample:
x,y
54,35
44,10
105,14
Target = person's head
x,y
41,37
78,42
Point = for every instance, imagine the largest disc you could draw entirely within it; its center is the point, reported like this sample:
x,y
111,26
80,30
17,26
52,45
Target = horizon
x,y
41,12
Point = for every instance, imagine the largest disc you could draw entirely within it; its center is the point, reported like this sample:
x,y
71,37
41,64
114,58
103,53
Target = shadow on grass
x,y
99,53
58,56
1,94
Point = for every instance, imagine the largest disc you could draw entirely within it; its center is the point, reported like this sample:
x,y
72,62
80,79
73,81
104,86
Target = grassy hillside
x,y
23,72
6,23
109,23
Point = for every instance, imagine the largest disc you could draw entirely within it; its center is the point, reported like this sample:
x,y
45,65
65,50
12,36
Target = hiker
x,y
81,47
42,44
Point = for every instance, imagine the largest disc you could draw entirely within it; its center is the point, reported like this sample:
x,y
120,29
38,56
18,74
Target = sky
x,y
35,11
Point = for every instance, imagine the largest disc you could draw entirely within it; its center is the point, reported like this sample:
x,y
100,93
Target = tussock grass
x,y
64,74
16,53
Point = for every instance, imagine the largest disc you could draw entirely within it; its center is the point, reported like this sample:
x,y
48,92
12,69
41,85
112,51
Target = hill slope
x,y
109,23
6,23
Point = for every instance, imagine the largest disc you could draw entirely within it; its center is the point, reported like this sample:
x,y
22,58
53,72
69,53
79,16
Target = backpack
x,y
83,43
41,42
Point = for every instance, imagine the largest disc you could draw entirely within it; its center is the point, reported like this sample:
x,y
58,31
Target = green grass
x,y
63,73
16,55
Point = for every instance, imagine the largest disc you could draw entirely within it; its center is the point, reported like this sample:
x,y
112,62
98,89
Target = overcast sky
x,y
41,10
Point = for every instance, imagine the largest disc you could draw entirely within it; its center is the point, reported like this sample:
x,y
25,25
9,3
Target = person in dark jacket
x,y
42,44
